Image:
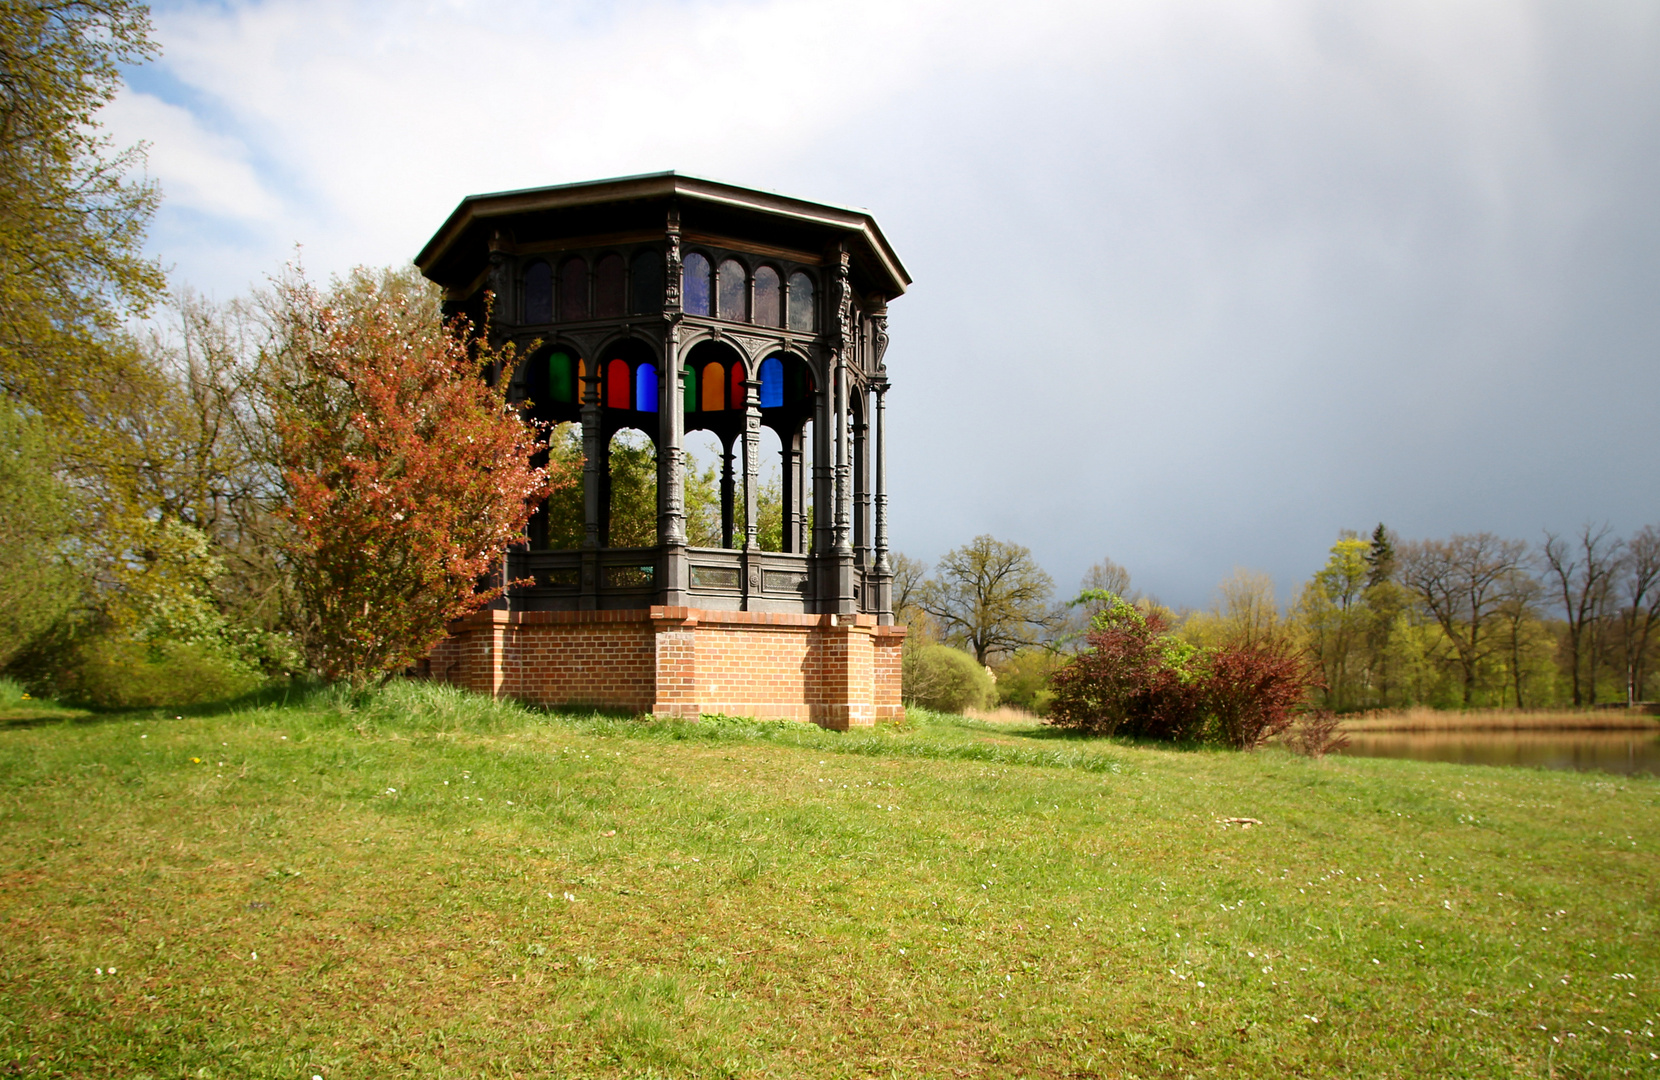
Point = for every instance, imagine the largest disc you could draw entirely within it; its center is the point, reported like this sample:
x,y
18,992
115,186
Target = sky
x,y
1197,285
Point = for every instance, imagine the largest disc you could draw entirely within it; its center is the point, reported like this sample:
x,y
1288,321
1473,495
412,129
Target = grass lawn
x,y
430,884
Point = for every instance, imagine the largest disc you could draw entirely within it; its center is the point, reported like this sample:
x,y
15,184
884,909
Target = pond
x,y
1626,752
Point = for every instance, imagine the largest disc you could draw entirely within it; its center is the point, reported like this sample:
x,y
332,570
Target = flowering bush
x,y
1138,679
406,474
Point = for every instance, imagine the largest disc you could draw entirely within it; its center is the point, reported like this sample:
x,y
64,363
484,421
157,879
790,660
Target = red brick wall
x,y
835,671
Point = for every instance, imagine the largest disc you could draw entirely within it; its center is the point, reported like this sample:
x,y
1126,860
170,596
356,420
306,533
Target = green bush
x,y
113,673
1023,680
946,680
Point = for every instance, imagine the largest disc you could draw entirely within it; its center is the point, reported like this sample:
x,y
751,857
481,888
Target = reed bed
x,y
1435,720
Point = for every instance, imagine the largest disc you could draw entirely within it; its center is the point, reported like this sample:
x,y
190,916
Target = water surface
x,y
1626,752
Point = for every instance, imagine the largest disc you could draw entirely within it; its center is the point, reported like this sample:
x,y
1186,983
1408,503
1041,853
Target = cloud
x,y
199,170
1197,283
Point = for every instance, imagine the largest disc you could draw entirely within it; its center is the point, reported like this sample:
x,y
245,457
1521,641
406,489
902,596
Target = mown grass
x,y
421,882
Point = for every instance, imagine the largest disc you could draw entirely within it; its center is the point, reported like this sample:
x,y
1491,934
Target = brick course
x,y
835,671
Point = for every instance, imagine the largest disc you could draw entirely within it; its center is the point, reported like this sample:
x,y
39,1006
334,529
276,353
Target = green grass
x,y
425,883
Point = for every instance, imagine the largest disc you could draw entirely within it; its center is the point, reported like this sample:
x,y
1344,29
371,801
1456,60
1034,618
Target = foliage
x,y
990,596
1463,584
71,222
406,475
944,679
37,584
1023,679
116,672
1334,619
1140,679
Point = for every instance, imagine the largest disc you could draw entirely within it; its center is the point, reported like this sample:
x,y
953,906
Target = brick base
x,y
838,671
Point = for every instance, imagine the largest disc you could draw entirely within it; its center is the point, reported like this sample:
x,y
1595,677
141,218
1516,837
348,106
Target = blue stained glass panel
x,y
645,388
694,285
772,383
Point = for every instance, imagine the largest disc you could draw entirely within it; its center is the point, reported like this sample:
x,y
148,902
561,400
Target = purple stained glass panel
x,y
609,287
573,290
734,290
801,302
539,293
767,294
694,285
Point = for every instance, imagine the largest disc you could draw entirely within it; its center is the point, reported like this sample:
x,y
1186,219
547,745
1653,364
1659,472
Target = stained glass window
x,y
766,297
733,290
539,293
694,285
714,388
772,382
689,401
801,302
647,283
559,378
736,399
645,388
573,290
609,286
617,384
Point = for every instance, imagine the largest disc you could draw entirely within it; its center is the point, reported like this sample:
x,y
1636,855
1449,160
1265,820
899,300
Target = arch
x,y
646,282
645,388
618,380
573,289
713,378
694,285
801,302
732,285
610,292
767,296
772,383
538,293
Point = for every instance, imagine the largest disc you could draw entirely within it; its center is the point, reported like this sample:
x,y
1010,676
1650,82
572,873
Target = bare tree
x,y
1463,584
990,595
1582,574
1518,611
908,577
1640,605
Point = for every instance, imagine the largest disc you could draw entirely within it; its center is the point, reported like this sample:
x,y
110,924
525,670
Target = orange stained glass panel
x,y
714,388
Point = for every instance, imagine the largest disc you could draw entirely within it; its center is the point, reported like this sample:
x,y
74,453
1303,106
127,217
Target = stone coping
x,y
684,616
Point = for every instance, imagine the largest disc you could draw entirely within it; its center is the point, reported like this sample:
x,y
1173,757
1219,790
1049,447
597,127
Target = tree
x,y
1463,583
990,596
1333,614
406,475
1246,611
1583,573
36,584
1639,606
71,222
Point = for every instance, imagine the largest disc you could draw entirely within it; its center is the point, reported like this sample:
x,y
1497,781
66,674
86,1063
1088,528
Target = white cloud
x,y
198,170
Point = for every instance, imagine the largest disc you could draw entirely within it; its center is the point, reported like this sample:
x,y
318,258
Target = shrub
x,y
114,673
946,680
1023,680
1137,678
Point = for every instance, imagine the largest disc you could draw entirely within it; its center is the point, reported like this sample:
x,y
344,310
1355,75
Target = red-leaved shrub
x,y
1138,679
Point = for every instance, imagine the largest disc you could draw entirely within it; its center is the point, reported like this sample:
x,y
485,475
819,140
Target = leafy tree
x,y
37,586
1639,606
909,576
1380,557
1023,679
1332,615
1583,574
71,222
405,474
991,596
1463,583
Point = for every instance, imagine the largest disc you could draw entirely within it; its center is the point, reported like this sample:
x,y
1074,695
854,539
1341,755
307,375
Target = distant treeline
x,y
1471,621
